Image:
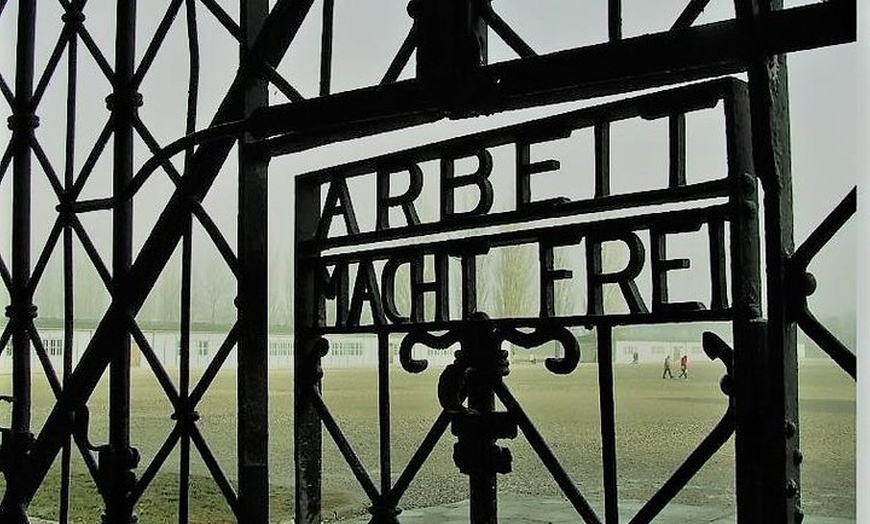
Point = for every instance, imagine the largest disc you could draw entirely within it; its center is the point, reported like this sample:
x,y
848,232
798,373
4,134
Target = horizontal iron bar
x,y
616,67
701,191
649,106
666,58
588,321
526,236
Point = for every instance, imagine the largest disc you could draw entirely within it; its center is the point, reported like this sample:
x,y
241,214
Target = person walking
x,y
684,367
667,371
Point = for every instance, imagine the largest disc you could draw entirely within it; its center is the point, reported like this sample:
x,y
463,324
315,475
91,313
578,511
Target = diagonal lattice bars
x,y
309,122
574,495
135,285
803,284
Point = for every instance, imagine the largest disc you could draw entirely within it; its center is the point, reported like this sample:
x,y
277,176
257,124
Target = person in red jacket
x,y
684,366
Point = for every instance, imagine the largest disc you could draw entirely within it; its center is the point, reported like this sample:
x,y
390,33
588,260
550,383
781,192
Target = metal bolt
x,y
809,284
798,457
725,385
790,429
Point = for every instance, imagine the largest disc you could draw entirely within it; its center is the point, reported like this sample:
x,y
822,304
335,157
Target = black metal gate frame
x,y
730,200
447,84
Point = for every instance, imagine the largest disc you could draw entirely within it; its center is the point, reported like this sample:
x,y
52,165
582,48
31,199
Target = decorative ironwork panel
x,y
84,259
105,256
353,271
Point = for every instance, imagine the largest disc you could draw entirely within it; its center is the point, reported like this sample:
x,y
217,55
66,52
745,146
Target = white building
x,y
345,351
649,351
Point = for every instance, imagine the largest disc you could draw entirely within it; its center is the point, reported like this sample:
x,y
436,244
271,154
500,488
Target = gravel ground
x,y
658,423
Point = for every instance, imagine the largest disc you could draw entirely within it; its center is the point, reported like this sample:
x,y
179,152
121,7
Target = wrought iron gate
x,y
453,79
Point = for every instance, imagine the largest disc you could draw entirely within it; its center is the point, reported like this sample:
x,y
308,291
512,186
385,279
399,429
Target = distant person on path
x,y
667,371
634,358
684,367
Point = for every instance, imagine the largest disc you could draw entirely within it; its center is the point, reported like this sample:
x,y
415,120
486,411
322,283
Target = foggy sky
x,y
823,84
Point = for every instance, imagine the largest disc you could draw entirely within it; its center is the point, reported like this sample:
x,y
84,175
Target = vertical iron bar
x,y
614,20
68,278
384,410
21,309
23,122
326,38
183,415
602,159
122,102
482,482
749,343
307,430
606,399
193,76
253,291
157,249
776,495
451,47
677,150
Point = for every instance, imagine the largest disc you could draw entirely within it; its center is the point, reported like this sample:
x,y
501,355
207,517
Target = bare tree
x,y
91,296
213,292
567,292
280,287
49,294
164,302
514,281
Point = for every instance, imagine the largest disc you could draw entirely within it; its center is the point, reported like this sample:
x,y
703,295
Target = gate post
x,y
18,439
253,290
307,429
451,47
771,491
480,364
119,459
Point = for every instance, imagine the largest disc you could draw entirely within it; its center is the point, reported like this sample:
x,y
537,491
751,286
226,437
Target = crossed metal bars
x,y
119,488
692,52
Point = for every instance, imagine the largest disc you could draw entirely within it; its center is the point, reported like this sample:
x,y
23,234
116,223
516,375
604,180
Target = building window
x,y
202,348
53,346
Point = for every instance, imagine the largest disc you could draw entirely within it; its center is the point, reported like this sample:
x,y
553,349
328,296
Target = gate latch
x,y
475,451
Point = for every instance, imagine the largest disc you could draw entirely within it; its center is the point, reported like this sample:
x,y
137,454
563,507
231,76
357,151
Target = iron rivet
x,y
798,457
809,284
725,384
790,429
